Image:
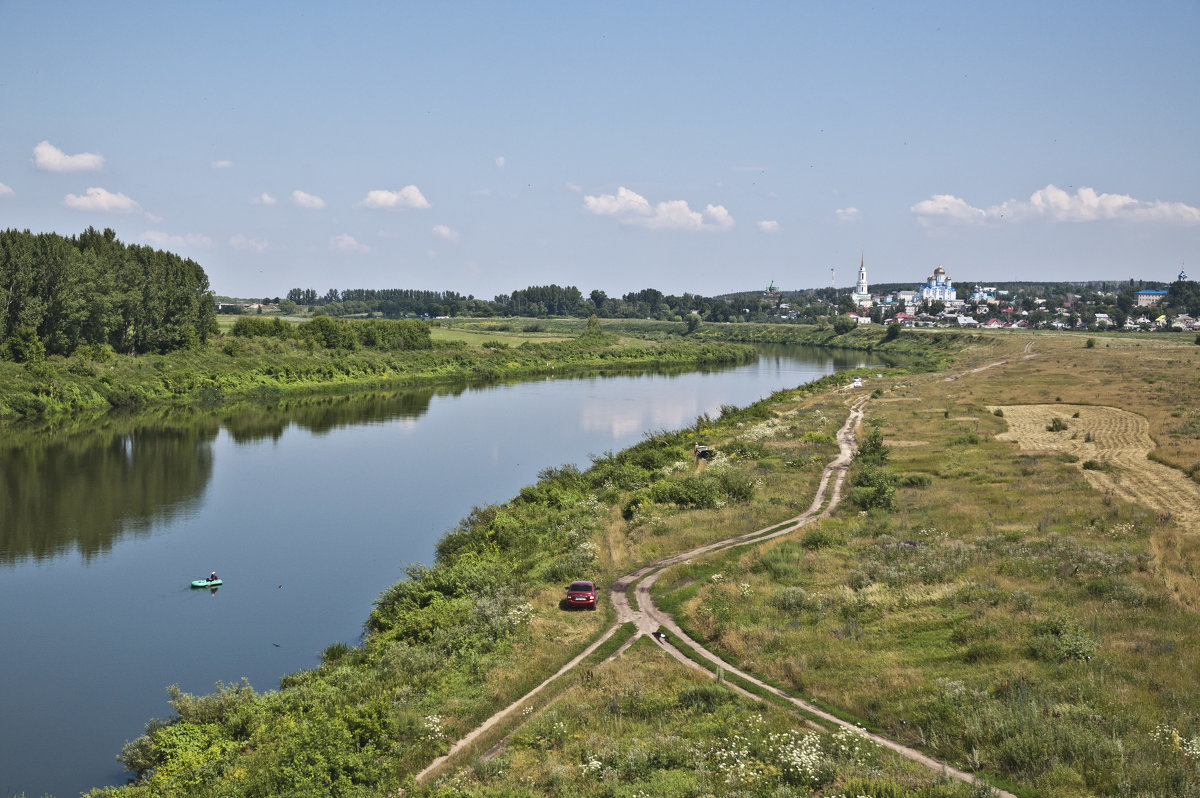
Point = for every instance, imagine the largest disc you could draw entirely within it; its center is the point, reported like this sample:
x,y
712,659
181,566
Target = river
x,y
306,513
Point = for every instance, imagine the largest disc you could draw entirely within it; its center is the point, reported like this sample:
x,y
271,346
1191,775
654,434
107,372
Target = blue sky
x,y
704,147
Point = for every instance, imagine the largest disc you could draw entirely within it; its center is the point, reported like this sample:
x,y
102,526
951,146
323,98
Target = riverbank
x,y
266,370
989,612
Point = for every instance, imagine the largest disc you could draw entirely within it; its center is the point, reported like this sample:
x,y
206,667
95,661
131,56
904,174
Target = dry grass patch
x,y
1111,448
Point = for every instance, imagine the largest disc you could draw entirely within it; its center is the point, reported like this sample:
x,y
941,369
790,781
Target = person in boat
x,y
212,577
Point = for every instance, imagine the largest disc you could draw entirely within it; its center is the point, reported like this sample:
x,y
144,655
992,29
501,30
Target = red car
x,y
581,594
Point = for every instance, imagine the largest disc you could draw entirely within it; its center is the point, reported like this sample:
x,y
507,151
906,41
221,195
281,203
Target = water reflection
x,y
82,494
82,491
84,484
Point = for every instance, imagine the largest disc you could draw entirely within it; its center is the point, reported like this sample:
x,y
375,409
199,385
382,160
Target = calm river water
x,y
307,514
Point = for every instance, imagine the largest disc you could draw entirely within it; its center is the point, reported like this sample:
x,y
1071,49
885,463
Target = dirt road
x,y
649,619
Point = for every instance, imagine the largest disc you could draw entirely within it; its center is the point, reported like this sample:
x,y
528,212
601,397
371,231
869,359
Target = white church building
x,y
939,287
861,295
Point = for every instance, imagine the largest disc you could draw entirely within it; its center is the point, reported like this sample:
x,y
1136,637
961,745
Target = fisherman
x,y
212,577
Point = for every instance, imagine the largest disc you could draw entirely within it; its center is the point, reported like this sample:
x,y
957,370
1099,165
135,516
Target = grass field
x,y
1027,608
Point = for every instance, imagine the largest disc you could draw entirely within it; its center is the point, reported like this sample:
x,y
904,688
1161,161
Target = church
x,y
939,287
861,295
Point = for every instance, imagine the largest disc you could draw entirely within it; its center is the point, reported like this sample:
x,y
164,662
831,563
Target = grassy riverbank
x,y
266,368
1005,608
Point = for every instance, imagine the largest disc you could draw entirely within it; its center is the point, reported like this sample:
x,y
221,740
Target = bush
x,y
915,480
843,325
1056,425
818,539
24,346
871,450
998,412
790,599
966,439
1090,343
983,651
1060,639
872,487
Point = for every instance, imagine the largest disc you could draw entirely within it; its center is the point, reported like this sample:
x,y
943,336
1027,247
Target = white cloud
x,y
1056,205
850,214
307,200
769,226
97,199
500,161
347,243
247,244
407,197
442,231
164,240
5,190
264,199
51,159
632,208
222,164
573,187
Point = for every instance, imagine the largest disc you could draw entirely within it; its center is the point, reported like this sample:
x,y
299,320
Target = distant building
x,y
939,287
982,295
1149,298
861,295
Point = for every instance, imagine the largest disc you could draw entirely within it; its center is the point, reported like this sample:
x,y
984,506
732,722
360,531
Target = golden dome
x,y
939,270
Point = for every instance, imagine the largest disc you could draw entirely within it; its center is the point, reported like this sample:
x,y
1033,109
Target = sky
x,y
703,147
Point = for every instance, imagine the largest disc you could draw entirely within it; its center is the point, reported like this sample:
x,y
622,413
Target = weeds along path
x,y
1115,444
649,619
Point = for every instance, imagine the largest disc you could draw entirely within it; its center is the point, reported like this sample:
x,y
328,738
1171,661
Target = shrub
x,y
790,599
983,651
915,480
966,439
24,346
818,539
1059,639
843,325
1056,425
998,412
751,450
871,449
872,487
1090,343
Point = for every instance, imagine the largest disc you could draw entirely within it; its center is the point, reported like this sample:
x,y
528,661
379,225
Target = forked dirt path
x,y
649,619
1118,441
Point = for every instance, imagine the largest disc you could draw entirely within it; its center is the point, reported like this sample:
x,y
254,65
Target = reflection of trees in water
x,y
85,492
84,488
84,483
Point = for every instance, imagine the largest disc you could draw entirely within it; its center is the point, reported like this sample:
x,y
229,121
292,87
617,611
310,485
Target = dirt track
x,y
649,618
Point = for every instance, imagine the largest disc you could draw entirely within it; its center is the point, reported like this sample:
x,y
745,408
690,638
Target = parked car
x,y
581,594
857,382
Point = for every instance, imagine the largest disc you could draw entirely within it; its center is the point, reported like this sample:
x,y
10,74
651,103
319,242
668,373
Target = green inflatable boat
x,y
207,583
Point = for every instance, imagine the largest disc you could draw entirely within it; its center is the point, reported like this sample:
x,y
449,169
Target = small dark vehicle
x,y
581,594
704,452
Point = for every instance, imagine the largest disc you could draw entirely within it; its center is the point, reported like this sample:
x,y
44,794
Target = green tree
x,y
844,324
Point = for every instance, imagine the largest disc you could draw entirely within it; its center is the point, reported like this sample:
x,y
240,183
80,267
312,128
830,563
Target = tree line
x,y
59,294
537,300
